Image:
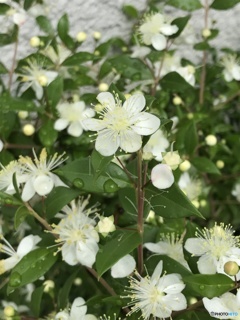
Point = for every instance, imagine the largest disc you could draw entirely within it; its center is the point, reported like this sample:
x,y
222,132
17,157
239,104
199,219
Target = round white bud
x,y
206,33
220,164
211,140
203,203
35,42
190,116
22,115
196,203
185,166
231,268
103,87
9,311
97,35
177,100
28,129
48,285
77,281
81,36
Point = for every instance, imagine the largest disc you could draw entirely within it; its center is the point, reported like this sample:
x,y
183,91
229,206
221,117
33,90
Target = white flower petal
x,y
169,29
106,99
159,42
107,143
27,244
69,254
236,72
78,309
157,272
63,315
146,124
124,267
86,253
43,184
93,124
9,263
1,145
176,301
162,176
28,191
216,305
171,283
75,129
206,265
130,141
61,124
154,247
38,89
90,317
135,104
196,246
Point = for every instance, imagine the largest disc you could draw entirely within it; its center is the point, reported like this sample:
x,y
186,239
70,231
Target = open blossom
x,y
157,144
26,245
38,176
215,247
121,125
72,116
157,296
231,66
77,235
6,176
228,303
78,311
170,245
190,186
36,77
155,29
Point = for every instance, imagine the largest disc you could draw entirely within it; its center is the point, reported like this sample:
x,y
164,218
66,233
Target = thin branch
x,y
13,64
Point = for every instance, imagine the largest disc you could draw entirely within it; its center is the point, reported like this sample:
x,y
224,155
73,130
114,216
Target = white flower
x,y
57,56
124,267
155,29
155,146
6,176
106,225
215,247
12,307
236,191
121,125
231,67
38,176
77,312
172,159
76,232
228,304
26,245
72,116
170,63
157,296
188,73
140,51
36,77
170,245
162,176
114,317
191,187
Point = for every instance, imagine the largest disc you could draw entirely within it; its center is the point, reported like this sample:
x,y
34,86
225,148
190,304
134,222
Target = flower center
x,y
117,119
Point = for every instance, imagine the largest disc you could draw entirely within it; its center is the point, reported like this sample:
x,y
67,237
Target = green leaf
x,y
10,37
171,203
36,300
4,8
205,165
173,81
130,11
7,123
78,58
9,199
9,103
201,46
63,28
181,23
187,5
54,92
45,25
31,267
187,137
223,4
20,215
3,69
58,198
65,290
99,162
122,243
209,285
47,134
27,4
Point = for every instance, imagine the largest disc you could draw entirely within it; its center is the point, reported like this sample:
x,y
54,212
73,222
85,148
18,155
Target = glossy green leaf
x,y
20,216
3,69
58,198
171,203
4,8
36,300
205,165
201,46
10,37
54,92
122,243
28,3
130,11
47,134
78,58
187,138
174,82
187,5
63,28
208,285
9,103
65,290
7,123
223,4
45,25
31,267
181,23
99,162
9,199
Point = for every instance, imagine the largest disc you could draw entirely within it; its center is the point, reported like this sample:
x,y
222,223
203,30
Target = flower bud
x,y
35,42
22,115
97,53
203,203
162,176
48,285
172,159
81,36
220,164
185,166
106,225
28,129
103,87
211,140
190,115
98,107
231,268
9,311
77,281
196,203
127,95
177,101
97,35
42,80
206,33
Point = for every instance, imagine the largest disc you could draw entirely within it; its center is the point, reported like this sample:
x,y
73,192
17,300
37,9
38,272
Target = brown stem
x,y
36,216
126,171
221,105
13,64
102,281
204,58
